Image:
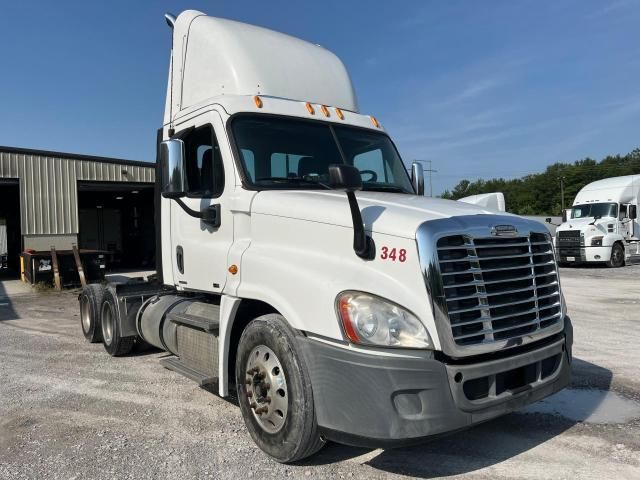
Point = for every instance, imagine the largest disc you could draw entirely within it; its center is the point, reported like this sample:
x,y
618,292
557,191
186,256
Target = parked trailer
x,y
300,265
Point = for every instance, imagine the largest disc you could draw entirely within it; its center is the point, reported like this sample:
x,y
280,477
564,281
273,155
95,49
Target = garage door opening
x,y
10,235
118,218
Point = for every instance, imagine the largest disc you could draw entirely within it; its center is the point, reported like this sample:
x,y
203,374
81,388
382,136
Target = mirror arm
x,y
211,215
193,213
363,244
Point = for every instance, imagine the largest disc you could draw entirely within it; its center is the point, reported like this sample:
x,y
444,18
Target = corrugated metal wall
x,y
49,188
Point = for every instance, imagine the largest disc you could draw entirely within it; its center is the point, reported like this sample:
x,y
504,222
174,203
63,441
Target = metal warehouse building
x,y
58,199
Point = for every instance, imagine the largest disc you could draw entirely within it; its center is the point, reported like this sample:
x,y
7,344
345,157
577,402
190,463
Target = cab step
x,y
206,324
174,364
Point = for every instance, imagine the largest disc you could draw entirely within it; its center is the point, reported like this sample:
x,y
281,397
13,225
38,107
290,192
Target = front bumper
x,y
584,254
373,401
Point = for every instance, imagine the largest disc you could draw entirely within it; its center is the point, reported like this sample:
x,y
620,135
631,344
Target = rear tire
x,y
617,256
114,343
90,300
295,435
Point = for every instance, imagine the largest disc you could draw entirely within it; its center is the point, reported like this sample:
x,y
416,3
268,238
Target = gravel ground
x,y
69,411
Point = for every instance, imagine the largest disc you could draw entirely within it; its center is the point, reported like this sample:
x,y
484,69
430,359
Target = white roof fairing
x,y
215,56
625,189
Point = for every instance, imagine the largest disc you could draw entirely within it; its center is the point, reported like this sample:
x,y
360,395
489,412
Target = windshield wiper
x,y
295,179
382,188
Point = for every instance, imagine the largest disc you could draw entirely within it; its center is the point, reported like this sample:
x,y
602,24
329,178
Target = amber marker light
x,y
375,121
345,316
258,101
340,114
325,110
310,108
233,269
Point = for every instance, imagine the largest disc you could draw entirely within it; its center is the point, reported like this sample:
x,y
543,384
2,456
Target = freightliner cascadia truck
x,y
302,267
602,226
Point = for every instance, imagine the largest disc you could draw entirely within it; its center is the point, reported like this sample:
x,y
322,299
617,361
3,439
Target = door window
x,y
203,163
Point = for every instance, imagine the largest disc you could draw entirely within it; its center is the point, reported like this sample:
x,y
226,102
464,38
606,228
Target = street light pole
x,y
430,170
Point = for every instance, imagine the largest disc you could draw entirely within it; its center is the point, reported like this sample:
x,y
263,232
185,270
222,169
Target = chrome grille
x,y
569,238
498,288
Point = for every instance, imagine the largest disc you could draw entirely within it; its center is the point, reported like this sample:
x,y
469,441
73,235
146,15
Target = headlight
x,y
596,241
370,320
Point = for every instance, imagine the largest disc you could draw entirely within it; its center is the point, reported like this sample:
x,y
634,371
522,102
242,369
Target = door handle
x,y
180,259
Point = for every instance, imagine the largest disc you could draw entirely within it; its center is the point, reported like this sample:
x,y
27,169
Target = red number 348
x,y
393,254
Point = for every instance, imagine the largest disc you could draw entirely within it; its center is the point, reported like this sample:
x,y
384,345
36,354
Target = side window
x,y
203,163
623,212
249,160
373,161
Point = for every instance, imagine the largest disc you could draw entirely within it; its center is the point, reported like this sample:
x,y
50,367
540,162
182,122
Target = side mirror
x,y
417,178
633,212
565,215
345,177
173,183
548,219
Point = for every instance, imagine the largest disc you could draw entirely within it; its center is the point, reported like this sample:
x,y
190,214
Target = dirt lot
x,y
67,410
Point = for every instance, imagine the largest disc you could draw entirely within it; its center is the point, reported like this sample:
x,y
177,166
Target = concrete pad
x,y
14,287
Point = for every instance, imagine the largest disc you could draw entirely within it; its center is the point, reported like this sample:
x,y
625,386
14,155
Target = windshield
x,y
289,153
595,209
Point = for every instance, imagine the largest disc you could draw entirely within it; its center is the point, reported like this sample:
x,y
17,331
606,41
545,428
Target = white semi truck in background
x,y
602,226
300,265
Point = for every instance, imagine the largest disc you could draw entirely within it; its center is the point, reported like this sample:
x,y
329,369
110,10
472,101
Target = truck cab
x,y
602,226
303,267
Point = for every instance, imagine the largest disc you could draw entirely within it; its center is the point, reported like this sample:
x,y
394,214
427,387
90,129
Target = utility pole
x,y
431,171
562,193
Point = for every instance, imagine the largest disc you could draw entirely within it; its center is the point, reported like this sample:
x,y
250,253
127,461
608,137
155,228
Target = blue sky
x,y
483,89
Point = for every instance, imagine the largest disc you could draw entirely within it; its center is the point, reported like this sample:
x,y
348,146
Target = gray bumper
x,y
368,400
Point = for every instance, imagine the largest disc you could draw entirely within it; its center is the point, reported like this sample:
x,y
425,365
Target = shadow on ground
x,y
7,312
478,447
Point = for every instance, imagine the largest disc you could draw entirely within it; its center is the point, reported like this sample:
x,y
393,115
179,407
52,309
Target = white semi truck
x,y
302,267
602,226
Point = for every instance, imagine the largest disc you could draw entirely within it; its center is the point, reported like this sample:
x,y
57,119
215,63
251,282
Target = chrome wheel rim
x,y
107,324
85,313
267,391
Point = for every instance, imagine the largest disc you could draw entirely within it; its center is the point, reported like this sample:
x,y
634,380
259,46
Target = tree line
x,y
540,193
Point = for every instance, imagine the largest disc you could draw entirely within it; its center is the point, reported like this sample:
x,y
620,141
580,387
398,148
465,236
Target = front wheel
x,y
274,391
617,256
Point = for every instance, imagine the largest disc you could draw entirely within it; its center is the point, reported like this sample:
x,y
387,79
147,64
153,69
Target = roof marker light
x,y
375,122
258,101
340,114
310,108
325,110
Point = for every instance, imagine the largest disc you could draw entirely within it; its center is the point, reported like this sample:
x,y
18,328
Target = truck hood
x,y
388,213
582,224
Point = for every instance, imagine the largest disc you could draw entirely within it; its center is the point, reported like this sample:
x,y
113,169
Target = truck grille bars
x,y
491,291
569,243
498,288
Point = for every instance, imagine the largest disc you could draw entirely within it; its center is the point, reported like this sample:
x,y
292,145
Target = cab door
x,y
199,249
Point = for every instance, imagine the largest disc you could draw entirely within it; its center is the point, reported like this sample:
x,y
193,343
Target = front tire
x,y
617,256
90,300
274,391
114,343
